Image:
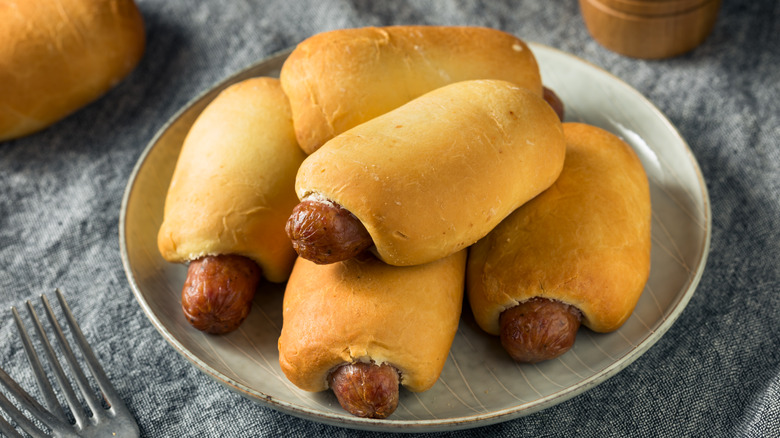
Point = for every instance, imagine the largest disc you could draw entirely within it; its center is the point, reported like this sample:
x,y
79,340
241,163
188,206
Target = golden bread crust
x,y
364,310
57,56
339,79
233,187
585,241
438,173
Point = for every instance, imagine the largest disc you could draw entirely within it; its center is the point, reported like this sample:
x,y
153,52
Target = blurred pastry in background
x,y
58,56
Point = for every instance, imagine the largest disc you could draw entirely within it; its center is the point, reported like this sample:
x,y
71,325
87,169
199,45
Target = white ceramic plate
x,y
480,385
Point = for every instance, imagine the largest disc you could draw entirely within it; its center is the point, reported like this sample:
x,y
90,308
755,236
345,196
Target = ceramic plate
x,y
480,385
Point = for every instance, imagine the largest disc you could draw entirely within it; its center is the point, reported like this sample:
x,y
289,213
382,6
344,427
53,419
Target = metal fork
x,y
114,421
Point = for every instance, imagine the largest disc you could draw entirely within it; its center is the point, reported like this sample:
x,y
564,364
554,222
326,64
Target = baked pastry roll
x,y
58,56
361,325
339,79
582,245
434,175
230,195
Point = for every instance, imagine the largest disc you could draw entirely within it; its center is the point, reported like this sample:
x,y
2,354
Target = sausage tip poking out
x,y
366,389
539,329
554,101
218,292
325,232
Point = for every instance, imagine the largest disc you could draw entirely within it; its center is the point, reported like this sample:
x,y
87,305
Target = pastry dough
x,y
585,241
438,173
364,310
57,56
337,80
233,187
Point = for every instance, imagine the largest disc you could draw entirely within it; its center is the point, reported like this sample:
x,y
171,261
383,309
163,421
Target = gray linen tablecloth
x,y
715,373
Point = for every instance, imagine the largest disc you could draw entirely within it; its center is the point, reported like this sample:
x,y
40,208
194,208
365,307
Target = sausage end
x,y
554,101
325,232
218,292
539,329
366,389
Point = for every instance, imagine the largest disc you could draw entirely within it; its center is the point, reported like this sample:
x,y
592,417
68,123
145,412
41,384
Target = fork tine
x,y
8,430
123,416
93,364
23,422
43,382
28,402
81,380
59,374
116,420
23,398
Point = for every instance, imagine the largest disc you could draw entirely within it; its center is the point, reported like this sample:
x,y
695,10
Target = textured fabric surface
x,y
715,373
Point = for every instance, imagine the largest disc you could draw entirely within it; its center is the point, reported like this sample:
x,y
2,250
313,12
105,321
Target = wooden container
x,y
650,29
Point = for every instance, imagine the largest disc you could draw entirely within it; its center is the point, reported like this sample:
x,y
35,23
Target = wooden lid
x,y
652,8
650,29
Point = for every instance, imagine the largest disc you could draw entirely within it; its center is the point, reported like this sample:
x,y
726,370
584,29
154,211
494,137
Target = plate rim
x,y
452,423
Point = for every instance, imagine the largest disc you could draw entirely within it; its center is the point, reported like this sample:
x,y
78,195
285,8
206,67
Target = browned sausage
x,y
366,389
554,101
539,329
218,292
325,232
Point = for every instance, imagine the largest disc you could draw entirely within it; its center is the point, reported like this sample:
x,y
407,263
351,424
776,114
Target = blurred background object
x,y
56,57
650,29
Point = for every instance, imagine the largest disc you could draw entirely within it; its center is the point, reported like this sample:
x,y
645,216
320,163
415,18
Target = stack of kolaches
x,y
405,165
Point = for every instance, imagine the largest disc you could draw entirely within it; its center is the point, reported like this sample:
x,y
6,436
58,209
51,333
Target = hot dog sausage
x,y
539,329
366,389
325,232
218,292
554,101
